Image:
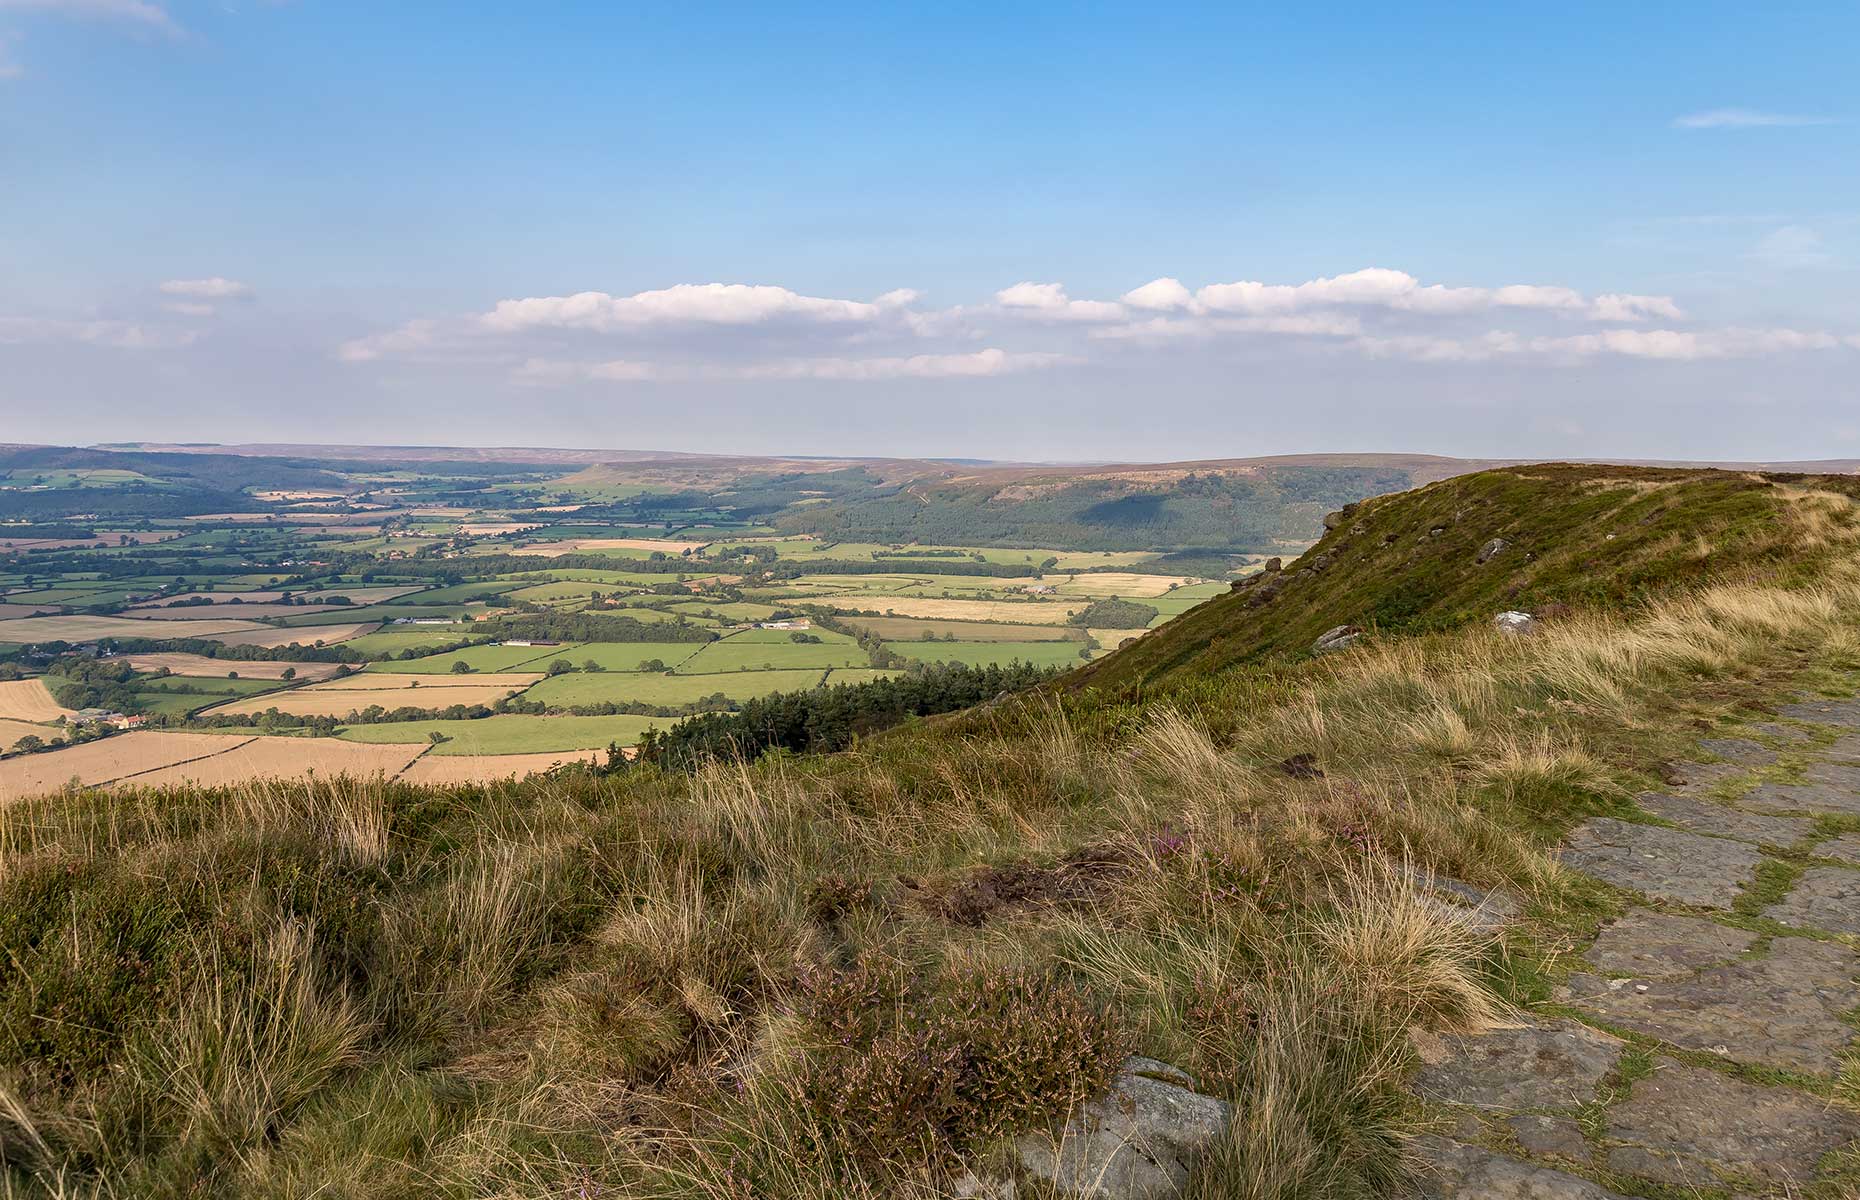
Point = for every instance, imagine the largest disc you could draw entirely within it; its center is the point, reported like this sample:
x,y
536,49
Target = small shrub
x,y
913,1073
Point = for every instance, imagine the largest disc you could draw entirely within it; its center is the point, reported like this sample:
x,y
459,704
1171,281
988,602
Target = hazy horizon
x,y
1036,234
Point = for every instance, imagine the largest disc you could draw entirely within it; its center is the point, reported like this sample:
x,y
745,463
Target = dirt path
x,y
1700,1052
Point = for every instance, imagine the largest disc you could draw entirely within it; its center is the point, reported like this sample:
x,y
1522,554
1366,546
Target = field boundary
x,y
424,751
179,763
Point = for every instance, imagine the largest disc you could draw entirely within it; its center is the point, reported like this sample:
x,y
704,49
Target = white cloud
x,y
10,67
1744,118
1160,295
1326,306
1048,301
1380,287
976,365
116,335
1617,306
412,338
684,304
133,12
1792,246
1163,328
215,288
981,363
1670,345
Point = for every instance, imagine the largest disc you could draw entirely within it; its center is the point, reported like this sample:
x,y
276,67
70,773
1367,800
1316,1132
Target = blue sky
x,y
1574,229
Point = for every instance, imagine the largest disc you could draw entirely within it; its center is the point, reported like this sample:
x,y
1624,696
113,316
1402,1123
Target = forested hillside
x,y
1231,511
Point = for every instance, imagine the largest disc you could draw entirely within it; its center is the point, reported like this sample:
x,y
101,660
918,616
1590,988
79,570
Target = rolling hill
x,y
1536,538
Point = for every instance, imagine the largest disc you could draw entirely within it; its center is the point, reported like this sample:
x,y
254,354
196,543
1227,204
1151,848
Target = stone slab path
x,y
1699,1051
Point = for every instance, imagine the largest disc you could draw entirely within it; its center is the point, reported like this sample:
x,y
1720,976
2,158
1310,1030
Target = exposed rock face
x,y
1664,863
1701,777
1515,622
1340,638
1452,1171
1266,591
1739,750
1139,1141
1651,945
1333,520
1824,898
1702,816
1843,714
1682,1122
1556,1136
1492,550
1538,1064
1737,998
1802,797
1784,1009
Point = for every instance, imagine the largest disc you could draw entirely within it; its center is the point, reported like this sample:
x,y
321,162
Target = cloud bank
x,y
748,332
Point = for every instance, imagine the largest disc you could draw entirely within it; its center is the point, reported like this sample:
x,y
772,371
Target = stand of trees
x,y
830,718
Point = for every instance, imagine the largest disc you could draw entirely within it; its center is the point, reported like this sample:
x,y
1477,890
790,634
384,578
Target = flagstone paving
x,y
1704,1030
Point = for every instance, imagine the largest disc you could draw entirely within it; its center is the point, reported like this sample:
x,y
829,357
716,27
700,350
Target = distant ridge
x,y
1426,467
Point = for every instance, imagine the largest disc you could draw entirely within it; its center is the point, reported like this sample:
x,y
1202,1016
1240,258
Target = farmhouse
x,y
792,623
103,716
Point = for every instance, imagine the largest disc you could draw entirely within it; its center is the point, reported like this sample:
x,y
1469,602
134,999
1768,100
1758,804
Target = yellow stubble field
x,y
339,697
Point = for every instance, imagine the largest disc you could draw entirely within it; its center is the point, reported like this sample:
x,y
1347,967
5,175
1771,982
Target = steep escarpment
x,y
1538,539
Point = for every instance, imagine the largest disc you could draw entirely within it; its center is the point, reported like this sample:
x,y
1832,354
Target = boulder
x,y
1264,593
1515,622
1492,550
1340,638
1272,564
1333,520
1139,1141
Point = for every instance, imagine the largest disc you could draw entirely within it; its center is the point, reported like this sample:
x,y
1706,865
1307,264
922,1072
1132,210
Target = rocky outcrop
x,y
1333,520
1492,550
1139,1141
1515,622
1340,638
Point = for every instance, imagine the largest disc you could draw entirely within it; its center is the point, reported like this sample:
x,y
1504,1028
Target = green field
x,y
484,658
729,611
1175,603
982,654
666,691
732,655
392,641
786,636
626,656
510,733
917,629
654,616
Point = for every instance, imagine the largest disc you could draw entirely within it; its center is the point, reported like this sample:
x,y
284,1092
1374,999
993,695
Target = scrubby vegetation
x,y
842,975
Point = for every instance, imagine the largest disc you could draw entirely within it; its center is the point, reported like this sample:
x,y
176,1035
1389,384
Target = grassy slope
x,y
1407,563
826,977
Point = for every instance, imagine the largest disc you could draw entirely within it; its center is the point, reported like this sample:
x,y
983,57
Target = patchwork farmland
x,y
512,621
